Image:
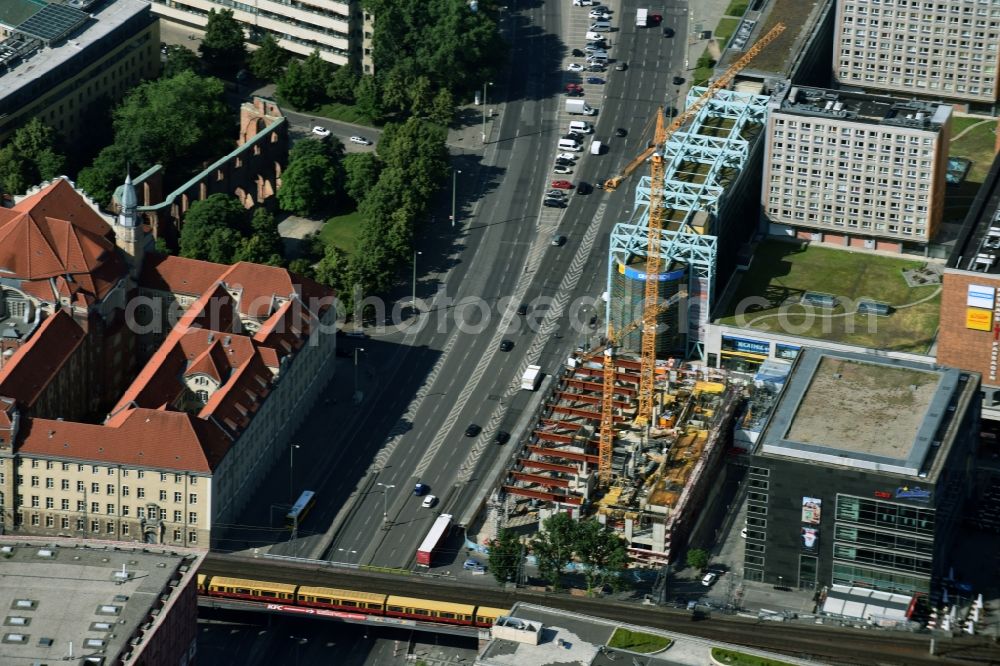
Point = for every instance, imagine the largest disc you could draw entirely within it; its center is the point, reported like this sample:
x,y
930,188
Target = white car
x,y
574,67
743,533
429,501
562,170
709,578
361,140
320,131
582,3
601,14
568,156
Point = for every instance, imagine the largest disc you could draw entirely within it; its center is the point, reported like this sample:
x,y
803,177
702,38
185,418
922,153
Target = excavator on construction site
x,y
651,305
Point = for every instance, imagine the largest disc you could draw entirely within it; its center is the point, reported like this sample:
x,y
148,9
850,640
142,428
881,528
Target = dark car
x,y
668,32
506,345
558,240
595,80
678,80
562,162
473,430
554,203
584,188
420,489
522,309
577,53
595,68
574,92
621,131
502,437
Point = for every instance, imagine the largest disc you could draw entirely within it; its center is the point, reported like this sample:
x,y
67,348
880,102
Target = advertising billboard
x,y
979,320
811,510
810,539
980,297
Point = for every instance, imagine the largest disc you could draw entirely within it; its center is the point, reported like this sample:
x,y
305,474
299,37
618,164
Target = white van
x,y
600,26
570,144
594,36
580,126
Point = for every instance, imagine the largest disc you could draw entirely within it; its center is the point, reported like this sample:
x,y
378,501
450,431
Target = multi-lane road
x,y
424,384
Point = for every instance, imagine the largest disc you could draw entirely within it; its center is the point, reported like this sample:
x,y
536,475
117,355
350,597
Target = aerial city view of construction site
x,y
539,333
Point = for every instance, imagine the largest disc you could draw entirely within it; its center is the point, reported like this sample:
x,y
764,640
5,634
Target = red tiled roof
x,y
56,234
262,284
142,437
179,275
37,362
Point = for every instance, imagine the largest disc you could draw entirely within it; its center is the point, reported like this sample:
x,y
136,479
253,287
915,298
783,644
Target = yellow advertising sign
x,y
979,320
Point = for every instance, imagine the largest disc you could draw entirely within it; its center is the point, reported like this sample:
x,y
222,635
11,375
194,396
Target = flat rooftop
x,y
73,593
978,246
777,60
863,411
862,108
769,296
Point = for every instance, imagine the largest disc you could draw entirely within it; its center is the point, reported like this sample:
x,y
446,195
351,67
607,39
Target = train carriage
x,y
487,617
251,590
349,600
431,611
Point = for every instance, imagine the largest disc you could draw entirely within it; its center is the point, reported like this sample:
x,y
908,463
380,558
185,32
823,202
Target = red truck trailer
x,y
434,538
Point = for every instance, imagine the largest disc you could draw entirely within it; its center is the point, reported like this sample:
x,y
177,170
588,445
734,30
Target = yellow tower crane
x,y
651,307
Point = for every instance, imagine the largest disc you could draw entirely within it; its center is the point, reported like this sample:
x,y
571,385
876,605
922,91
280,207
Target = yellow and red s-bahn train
x,y
350,601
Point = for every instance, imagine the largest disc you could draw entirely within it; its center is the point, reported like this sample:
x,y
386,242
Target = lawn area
x,y
637,641
976,145
737,7
735,658
344,112
725,30
701,74
768,297
342,231
959,123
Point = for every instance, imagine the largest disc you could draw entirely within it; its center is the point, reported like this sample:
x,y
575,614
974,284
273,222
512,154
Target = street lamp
x,y
385,497
356,350
484,109
415,253
349,553
291,471
454,189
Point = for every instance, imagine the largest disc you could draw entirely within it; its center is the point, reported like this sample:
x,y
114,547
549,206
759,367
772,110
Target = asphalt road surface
x,y
423,388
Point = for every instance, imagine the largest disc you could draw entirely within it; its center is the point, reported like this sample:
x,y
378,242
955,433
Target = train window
x,y
348,603
321,600
421,611
394,609
447,616
240,590
267,593
374,605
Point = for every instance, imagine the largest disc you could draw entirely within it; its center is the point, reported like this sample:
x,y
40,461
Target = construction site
x,y
629,432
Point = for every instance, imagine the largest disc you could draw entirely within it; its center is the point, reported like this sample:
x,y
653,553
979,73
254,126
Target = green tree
x,y
421,96
162,247
264,245
223,46
301,266
443,108
361,172
107,172
341,85
505,557
30,157
553,547
395,88
213,229
335,270
697,558
367,100
308,185
602,553
180,59
268,61
304,83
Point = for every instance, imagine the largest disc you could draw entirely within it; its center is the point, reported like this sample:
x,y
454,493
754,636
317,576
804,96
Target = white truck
x,y
595,147
579,107
532,378
641,18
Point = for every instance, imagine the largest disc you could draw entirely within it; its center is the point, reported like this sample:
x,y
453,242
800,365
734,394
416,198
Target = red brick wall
x,y
803,234
888,246
835,239
959,346
857,241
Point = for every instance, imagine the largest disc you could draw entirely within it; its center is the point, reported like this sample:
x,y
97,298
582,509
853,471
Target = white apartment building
x,y
334,28
937,48
863,171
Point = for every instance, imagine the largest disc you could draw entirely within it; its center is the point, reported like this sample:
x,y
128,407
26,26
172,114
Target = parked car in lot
x,y
574,86
595,80
567,156
577,53
565,170
709,578
360,140
595,46
554,203
320,131
574,67
562,184
555,194
582,3
597,68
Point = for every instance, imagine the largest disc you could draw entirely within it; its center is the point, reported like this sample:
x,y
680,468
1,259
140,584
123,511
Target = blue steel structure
x,y
690,236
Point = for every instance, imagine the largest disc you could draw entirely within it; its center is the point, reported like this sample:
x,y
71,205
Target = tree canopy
x,y
213,229
505,556
223,46
304,82
602,554
30,156
313,179
268,61
180,59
